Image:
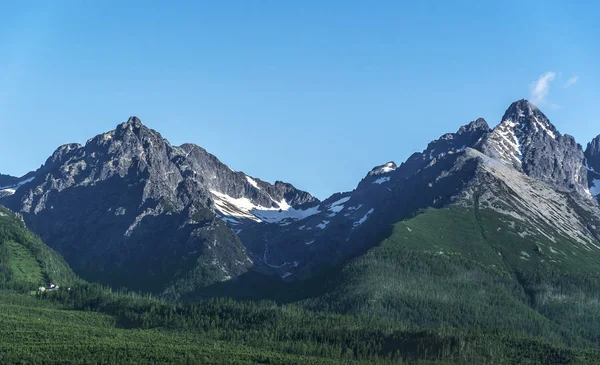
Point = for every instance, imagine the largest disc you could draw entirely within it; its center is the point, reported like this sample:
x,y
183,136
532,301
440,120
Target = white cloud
x,y
540,88
571,81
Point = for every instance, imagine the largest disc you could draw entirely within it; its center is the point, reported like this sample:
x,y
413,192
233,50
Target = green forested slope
x,y
25,261
463,268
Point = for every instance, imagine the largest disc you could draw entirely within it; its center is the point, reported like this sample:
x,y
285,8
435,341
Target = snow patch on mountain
x,y
509,145
323,224
388,167
544,127
364,218
252,182
338,205
244,208
381,180
11,189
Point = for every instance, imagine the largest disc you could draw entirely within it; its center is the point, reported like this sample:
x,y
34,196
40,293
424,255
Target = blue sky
x,y
310,92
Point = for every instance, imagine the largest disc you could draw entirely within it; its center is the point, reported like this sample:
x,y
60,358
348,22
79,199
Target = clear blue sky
x,y
310,92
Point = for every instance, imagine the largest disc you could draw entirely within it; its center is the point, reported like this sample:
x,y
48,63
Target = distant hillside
x,y
25,261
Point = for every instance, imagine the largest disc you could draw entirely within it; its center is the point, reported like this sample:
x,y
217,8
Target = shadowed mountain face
x,y
128,208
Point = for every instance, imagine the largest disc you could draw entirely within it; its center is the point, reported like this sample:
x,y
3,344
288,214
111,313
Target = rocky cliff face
x,y
592,155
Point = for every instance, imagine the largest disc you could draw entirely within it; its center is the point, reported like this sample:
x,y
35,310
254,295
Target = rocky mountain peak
x,y
527,140
529,119
467,136
134,127
522,106
133,120
133,123
477,125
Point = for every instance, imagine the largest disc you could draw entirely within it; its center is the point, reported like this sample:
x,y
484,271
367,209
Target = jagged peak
x,y
134,121
134,125
528,118
519,109
479,124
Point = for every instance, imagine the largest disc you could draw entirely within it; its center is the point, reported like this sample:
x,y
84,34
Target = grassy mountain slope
x,y
464,267
25,261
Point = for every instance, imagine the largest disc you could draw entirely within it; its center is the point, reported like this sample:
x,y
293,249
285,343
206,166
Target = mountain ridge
x,y
188,194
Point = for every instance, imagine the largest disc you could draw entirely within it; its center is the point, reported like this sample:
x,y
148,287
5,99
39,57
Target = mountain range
x,y
482,248
130,209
